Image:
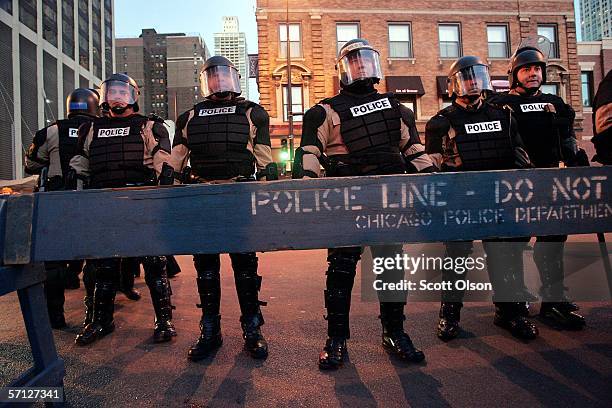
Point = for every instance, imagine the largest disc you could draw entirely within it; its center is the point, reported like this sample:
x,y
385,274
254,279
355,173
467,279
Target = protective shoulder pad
x,y
315,116
438,125
259,116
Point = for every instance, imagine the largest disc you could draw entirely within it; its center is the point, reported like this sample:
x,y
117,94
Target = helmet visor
x,y
359,64
538,42
118,92
218,79
470,81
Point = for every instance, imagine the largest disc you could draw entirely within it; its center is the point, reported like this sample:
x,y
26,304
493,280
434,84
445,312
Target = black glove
x,y
166,177
70,182
270,172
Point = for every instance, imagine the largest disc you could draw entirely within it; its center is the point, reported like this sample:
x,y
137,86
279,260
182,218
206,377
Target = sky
x,y
203,17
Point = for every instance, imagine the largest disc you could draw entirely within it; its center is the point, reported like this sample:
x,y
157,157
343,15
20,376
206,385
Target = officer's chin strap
x,y
119,109
528,91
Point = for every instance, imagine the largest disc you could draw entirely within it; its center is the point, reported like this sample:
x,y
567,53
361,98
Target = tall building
x,y
418,41
596,16
231,44
47,48
166,67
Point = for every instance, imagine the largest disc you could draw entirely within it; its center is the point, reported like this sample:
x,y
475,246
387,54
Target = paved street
x,y
485,367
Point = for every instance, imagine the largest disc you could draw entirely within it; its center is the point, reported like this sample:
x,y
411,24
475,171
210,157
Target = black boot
x,y
333,354
160,296
254,341
209,289
102,324
394,339
561,315
248,284
510,317
448,326
210,338
128,271
88,301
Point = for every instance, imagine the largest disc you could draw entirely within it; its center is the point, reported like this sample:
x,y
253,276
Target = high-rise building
x,y
231,44
47,48
166,67
596,16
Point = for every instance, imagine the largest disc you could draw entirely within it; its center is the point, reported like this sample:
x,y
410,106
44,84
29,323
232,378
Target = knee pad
x,y
207,262
244,261
154,268
208,281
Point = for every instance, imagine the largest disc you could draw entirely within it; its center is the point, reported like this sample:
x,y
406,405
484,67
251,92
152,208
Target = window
x,y
497,36
409,101
550,32
297,107
450,44
27,13
550,89
345,32
50,21
68,28
587,88
400,43
294,40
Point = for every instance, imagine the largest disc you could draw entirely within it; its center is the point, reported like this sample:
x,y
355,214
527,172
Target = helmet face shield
x,y
118,93
219,78
360,64
470,81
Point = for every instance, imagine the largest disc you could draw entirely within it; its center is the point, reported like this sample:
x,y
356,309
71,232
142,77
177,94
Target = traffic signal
x,y
284,153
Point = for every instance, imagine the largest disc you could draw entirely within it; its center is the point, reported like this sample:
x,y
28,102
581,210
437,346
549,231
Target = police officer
x,y
546,127
354,133
121,150
52,148
226,138
471,135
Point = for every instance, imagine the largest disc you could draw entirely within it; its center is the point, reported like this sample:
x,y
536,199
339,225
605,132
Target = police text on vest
x,y
72,132
370,107
533,107
483,127
217,111
114,132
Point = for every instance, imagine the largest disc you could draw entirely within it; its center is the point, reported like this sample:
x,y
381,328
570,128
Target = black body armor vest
x,y
116,153
68,138
218,135
370,127
482,137
537,128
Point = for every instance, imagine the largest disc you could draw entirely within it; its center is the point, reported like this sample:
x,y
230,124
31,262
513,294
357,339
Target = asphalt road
x,y
484,367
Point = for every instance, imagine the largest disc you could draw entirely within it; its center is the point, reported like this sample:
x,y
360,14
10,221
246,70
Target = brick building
x,y
417,40
595,60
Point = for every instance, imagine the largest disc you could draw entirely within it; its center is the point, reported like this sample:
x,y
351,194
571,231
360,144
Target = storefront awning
x,y
405,85
442,87
500,83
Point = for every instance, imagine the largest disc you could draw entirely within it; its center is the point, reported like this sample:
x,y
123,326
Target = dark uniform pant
x,y
339,284
504,259
548,257
248,283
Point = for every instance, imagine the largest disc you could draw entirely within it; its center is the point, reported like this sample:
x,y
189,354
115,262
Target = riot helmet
x,y
358,60
83,101
119,92
219,77
531,51
468,76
